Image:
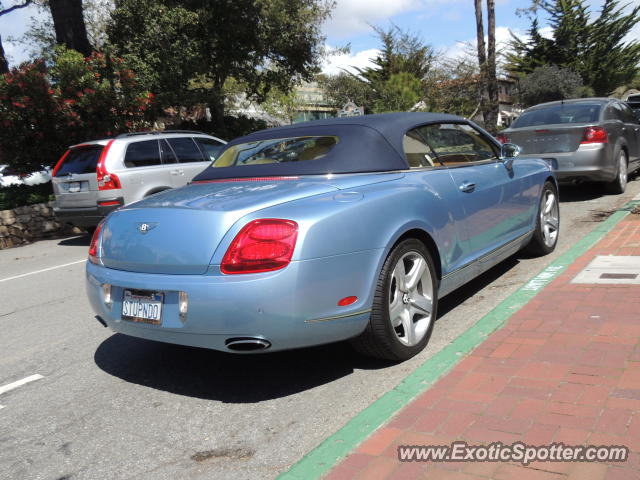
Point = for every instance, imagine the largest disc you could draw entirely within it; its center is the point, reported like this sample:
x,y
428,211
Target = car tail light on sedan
x,y
106,180
502,138
93,246
262,245
595,135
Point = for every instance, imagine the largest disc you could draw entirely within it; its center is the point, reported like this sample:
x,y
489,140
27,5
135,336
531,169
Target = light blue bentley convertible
x,y
347,228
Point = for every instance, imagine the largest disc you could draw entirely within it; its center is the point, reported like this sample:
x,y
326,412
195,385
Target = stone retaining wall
x,y
30,223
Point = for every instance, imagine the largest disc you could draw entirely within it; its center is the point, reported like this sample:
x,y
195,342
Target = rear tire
x,y
619,185
405,305
545,235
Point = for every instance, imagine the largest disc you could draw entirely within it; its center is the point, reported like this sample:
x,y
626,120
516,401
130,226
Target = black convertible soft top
x,y
367,143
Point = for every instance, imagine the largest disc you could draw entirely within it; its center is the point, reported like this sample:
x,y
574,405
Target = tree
x,y
68,21
549,83
394,82
593,46
284,105
398,94
453,86
264,44
401,52
487,63
346,87
4,65
44,108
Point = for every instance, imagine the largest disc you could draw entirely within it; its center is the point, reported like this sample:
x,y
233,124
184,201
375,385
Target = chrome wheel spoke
x,y
409,328
400,276
422,305
415,274
396,310
549,203
553,223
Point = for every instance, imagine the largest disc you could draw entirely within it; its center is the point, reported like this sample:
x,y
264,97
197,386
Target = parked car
x,y
347,228
9,176
596,139
634,102
94,178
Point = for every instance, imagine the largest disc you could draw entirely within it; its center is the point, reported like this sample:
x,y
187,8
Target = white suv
x,y
94,178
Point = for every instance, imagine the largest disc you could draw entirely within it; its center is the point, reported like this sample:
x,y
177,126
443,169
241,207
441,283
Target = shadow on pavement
x,y
229,378
79,241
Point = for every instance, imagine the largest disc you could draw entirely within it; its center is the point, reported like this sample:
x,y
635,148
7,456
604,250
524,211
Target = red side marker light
x,y
347,301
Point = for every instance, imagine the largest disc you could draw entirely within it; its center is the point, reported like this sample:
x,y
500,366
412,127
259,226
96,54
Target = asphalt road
x,y
110,406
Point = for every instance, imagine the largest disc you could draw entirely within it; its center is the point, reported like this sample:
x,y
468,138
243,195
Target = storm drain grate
x,y
619,276
610,269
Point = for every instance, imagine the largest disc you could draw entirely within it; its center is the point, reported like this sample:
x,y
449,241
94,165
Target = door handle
x,y
467,187
177,172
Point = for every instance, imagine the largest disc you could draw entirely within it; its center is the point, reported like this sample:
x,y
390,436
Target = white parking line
x,y
40,271
19,383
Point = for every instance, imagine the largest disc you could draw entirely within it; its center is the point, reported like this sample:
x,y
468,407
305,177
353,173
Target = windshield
x,y
277,150
558,114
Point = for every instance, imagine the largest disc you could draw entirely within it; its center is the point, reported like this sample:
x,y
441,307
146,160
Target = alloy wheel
x,y
549,218
411,298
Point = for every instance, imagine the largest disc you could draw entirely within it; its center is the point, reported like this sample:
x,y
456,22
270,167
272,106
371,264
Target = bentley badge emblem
x,y
145,227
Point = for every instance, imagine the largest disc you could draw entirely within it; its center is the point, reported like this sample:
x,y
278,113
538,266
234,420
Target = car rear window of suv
x,y
80,160
559,114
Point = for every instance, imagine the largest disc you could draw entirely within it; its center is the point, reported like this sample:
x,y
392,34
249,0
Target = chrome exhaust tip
x,y
247,344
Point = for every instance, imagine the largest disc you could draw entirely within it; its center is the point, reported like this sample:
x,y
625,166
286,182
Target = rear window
x,y
80,160
277,150
558,114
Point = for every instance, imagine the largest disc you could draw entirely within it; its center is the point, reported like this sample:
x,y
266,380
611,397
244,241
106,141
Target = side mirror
x,y
508,152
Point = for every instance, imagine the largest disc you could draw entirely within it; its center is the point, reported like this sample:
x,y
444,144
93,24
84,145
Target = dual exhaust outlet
x,y
247,344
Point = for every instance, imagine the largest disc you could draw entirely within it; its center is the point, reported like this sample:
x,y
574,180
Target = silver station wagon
x,y
595,139
94,178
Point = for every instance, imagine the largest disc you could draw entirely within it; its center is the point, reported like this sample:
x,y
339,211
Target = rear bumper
x,y
590,162
86,216
291,308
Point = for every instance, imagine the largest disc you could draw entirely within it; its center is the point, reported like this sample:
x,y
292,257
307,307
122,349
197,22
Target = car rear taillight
x,y
502,138
262,245
93,246
106,180
595,135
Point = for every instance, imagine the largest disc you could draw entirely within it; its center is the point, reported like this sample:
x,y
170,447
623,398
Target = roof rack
x,y
158,132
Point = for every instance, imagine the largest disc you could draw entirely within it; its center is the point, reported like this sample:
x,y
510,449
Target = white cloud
x,y
334,64
354,16
462,48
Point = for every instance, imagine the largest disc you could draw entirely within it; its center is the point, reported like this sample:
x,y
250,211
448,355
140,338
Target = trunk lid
x,y
75,182
545,139
186,225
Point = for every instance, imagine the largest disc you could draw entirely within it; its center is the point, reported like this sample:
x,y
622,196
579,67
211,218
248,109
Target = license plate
x,y
73,187
143,307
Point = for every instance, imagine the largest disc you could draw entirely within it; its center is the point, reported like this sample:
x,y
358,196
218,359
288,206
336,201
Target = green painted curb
x,y
321,459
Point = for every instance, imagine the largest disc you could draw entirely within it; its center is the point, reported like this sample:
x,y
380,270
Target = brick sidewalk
x,y
565,368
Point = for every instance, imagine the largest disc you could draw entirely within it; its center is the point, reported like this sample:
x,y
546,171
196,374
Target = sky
x,y
446,25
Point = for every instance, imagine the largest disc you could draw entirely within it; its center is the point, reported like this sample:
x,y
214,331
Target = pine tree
x,y
596,49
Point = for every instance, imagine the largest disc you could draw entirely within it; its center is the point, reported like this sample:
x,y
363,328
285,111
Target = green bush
x,y
19,195
45,107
